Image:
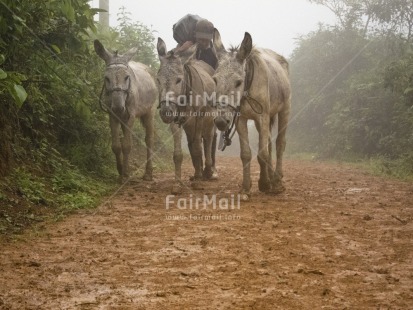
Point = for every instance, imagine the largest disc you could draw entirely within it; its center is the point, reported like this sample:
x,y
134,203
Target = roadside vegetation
x,y
353,87
55,154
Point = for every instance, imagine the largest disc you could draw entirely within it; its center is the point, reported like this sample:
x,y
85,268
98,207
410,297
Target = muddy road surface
x,y
337,238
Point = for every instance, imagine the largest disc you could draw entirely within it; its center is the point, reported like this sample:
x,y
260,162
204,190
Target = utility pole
x,y
104,16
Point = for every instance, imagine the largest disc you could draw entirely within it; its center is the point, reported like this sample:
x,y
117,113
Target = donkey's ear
x,y
245,48
102,52
129,54
219,47
161,47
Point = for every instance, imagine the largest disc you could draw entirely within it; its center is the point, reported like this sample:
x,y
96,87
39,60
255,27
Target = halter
x,y
227,136
185,89
176,118
249,76
110,91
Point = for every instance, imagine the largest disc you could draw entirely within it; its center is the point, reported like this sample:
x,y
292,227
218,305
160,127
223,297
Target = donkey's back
x,y
144,90
278,80
201,80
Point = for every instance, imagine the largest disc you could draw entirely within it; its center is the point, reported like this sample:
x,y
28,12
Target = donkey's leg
x,y
270,167
277,185
264,184
126,142
208,138
147,122
213,154
195,149
177,156
242,130
193,130
116,145
273,122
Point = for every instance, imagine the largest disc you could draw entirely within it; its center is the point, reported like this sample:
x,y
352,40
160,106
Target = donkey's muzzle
x,y
118,110
167,114
222,123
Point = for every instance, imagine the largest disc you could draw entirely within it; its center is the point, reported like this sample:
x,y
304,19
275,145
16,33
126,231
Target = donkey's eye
x,y
215,80
157,81
126,77
178,80
238,83
107,80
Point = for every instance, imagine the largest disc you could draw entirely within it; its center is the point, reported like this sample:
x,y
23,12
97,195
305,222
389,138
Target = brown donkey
x,y
185,92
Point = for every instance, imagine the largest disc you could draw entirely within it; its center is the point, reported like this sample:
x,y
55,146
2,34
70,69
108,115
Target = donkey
x,y
185,92
257,81
129,92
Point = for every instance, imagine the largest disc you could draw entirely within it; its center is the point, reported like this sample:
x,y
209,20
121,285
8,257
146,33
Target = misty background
x,y
350,66
273,24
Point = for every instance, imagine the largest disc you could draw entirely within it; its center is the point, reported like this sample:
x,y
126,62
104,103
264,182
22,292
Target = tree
x,y
352,84
385,16
130,34
46,53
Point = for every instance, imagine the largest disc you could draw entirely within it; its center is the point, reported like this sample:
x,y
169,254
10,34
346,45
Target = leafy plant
x,y
28,187
11,82
352,85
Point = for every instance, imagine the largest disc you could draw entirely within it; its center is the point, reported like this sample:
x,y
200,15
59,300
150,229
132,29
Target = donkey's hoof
x,y
245,196
277,188
214,176
176,189
276,179
123,179
264,185
147,177
195,178
210,175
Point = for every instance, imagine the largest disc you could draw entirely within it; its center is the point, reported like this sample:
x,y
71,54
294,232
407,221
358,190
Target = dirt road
x,y
338,238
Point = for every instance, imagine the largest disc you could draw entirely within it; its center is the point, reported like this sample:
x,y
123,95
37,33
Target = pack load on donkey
x,y
184,29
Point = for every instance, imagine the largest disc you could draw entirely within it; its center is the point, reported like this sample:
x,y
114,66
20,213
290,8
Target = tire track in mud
x,y
338,238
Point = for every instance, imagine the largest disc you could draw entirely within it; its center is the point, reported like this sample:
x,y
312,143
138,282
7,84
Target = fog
x,y
272,23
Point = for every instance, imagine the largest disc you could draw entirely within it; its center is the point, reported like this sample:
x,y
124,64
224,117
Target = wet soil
x,y
337,238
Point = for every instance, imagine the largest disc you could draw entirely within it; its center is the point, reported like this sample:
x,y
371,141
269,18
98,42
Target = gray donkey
x,y
185,92
129,92
253,83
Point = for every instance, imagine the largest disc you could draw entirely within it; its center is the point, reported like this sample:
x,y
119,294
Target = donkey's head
x,y
118,77
230,78
171,84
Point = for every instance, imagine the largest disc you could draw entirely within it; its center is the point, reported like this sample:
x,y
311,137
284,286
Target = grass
x,y
28,196
400,169
300,156
38,192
